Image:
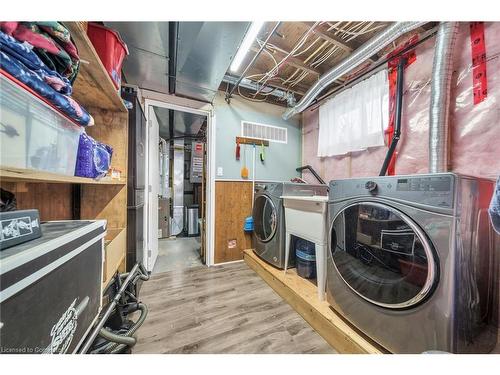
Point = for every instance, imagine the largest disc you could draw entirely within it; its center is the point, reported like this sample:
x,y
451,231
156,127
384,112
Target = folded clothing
x,y
52,43
23,53
14,55
494,209
93,159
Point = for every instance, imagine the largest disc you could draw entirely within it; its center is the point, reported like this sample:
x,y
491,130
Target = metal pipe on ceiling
x,y
363,53
250,64
439,112
250,85
173,38
374,68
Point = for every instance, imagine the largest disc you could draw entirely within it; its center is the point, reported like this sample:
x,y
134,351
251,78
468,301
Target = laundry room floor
x,y
221,309
177,253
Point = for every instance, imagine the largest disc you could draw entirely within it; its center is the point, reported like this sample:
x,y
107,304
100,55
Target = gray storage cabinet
x,y
50,288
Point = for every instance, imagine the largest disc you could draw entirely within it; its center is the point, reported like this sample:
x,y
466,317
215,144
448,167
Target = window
x,y
355,119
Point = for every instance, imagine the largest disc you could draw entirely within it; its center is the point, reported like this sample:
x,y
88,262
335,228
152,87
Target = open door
x,y
153,178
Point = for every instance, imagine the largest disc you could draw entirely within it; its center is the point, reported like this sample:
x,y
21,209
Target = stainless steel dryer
x,y
412,261
269,218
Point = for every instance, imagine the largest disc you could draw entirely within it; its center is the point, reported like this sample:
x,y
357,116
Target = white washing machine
x,y
412,261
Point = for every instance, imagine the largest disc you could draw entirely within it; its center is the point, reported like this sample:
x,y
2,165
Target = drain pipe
x,y
439,113
397,121
358,57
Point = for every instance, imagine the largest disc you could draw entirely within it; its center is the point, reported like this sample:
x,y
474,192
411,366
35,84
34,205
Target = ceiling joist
x,y
347,47
292,61
326,46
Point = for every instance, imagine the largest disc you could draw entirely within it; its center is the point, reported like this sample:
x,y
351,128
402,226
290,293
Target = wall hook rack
x,y
252,141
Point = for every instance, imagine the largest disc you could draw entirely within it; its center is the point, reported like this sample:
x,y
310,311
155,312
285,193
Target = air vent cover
x,y
269,133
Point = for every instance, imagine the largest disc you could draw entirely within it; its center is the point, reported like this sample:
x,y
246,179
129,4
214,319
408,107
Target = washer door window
x,y
382,255
265,219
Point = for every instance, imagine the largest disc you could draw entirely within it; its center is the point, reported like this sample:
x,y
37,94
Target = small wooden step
x,y
301,294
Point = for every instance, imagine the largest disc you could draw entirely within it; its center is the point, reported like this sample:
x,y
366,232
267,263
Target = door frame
x,y
152,179
204,109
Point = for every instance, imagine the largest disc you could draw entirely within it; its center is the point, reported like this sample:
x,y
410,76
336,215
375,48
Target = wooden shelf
x,y
93,86
302,295
30,175
114,252
106,199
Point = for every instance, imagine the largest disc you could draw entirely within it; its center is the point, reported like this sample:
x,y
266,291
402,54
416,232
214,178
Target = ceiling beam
x,y
348,47
292,61
334,40
325,35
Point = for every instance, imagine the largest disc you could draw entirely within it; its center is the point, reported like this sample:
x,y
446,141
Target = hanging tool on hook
x,y
237,150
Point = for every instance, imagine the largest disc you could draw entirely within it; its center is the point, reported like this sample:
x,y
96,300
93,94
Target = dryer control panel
x,y
434,190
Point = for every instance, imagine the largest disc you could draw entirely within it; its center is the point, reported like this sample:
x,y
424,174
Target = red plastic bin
x,y
111,49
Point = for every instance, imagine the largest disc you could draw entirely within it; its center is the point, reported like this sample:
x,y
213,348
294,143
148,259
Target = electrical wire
x,y
351,33
347,32
250,99
298,45
265,94
358,33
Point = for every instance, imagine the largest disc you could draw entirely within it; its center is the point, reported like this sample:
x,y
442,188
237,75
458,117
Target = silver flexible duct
x,y
363,53
439,113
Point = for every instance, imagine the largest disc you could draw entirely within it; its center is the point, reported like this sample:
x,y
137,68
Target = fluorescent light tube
x,y
250,36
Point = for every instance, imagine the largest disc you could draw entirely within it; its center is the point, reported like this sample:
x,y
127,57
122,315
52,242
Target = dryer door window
x,y
265,218
382,255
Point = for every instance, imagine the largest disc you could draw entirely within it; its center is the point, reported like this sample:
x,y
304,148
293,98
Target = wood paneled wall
x,y
54,201
233,203
106,201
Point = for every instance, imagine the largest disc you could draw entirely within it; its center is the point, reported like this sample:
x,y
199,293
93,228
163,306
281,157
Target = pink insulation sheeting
x,y
475,133
475,129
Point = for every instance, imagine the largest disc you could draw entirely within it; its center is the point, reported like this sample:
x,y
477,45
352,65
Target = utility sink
x,y
306,217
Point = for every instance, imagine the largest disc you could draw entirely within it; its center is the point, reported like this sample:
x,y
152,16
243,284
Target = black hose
x,y
315,174
118,346
397,121
144,275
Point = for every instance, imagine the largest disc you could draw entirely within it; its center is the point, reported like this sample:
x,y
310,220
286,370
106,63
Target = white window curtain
x,y
356,118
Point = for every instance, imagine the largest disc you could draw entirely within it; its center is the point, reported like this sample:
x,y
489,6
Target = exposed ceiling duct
x,y
359,56
439,114
205,52
203,55
147,64
184,124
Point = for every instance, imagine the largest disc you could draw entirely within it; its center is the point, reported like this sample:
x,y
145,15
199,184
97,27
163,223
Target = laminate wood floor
x,y
222,309
177,253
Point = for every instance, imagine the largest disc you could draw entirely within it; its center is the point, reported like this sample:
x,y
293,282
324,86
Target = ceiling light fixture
x,y
250,36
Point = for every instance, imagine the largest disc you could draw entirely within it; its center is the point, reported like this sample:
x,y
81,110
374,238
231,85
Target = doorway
x,y
178,198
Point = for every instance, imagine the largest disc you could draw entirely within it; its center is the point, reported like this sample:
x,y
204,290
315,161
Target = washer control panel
x,y
436,190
